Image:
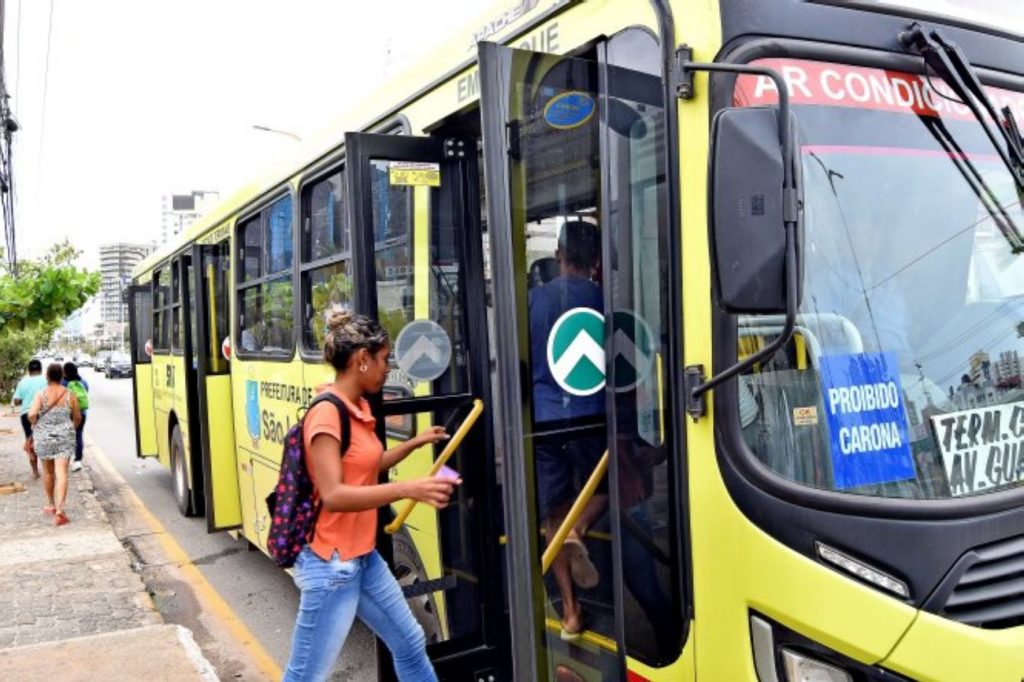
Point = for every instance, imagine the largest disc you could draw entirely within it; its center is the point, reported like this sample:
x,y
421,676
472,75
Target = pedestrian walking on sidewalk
x,y
54,415
80,388
24,394
339,573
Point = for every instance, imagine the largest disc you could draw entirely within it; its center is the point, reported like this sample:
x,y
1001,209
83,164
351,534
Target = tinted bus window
x,y
326,267
265,281
142,317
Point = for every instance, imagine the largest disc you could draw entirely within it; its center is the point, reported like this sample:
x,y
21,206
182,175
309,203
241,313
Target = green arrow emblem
x,y
576,351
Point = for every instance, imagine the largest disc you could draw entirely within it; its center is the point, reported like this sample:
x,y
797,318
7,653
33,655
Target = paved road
x,y
262,595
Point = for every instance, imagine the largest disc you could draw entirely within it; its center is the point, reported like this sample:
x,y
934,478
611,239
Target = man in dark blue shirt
x,y
563,460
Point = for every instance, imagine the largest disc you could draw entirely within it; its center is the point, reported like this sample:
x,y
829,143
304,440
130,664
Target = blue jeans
x,y
335,592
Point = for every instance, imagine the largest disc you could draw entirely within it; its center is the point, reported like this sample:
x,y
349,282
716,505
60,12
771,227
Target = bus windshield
x,y
904,378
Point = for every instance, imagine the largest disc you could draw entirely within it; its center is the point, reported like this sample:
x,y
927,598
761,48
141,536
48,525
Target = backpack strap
x,y
346,425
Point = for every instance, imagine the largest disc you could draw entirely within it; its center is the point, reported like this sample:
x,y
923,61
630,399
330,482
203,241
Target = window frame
x,y
177,324
240,284
160,309
137,345
304,269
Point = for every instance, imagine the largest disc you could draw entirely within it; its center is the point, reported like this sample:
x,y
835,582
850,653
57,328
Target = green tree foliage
x,y
45,291
34,303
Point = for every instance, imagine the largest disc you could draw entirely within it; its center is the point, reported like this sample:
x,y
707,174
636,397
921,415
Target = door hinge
x,y
682,77
696,406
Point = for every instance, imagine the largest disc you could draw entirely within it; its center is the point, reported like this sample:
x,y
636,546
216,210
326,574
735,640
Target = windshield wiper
x,y
976,182
951,64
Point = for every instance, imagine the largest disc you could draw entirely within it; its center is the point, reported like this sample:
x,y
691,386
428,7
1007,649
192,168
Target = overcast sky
x,y
146,98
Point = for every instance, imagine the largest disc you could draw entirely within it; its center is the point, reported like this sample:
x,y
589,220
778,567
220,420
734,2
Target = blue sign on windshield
x,y
866,420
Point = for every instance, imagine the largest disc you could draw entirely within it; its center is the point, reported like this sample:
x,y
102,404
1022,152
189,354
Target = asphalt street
x,y
262,595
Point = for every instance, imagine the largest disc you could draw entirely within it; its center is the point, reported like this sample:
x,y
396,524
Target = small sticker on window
x,y
412,174
805,416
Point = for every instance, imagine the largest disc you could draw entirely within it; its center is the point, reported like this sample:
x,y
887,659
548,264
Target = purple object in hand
x,y
447,472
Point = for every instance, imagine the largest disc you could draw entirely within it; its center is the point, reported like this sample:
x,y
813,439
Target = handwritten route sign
x,y
982,449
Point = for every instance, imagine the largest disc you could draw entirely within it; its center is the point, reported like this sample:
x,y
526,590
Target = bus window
x,y
142,331
177,328
326,256
265,282
216,264
161,310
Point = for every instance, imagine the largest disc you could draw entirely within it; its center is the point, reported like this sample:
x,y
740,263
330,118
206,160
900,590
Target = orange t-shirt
x,y
352,534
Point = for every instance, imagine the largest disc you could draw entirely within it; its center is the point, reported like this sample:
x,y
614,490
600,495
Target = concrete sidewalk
x,y
71,607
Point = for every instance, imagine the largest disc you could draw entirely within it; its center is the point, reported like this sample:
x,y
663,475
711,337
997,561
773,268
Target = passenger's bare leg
x,y
572,614
61,489
48,481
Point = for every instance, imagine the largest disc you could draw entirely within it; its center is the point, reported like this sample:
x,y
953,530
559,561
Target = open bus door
x,y
210,381
585,286
140,322
414,212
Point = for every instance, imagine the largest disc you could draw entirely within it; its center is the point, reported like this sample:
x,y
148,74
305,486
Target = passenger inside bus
x,y
565,459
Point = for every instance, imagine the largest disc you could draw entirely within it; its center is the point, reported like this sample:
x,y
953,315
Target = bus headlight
x,y
800,668
784,655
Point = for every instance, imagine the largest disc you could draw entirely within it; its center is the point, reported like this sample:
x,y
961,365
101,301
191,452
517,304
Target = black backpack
x,y
293,513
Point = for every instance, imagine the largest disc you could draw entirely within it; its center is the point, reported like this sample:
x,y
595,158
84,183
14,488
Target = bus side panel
x,y
227,507
163,405
265,399
145,416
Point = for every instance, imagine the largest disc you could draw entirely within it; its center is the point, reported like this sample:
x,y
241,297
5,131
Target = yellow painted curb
x,y
208,596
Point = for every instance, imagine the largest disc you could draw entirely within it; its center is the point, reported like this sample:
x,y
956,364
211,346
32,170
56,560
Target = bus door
x,y
140,316
211,383
186,458
583,288
415,217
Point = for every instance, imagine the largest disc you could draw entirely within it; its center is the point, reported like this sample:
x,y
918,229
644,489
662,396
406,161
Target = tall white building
x,y
178,211
116,264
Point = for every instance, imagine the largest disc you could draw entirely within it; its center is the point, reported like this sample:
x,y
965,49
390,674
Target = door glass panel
x,y
556,235
216,267
639,242
416,240
142,330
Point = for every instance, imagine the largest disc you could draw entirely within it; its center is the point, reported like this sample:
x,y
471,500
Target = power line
x,y
17,68
46,89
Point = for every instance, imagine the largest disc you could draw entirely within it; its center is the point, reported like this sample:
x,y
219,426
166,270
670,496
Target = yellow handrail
x,y
555,546
449,450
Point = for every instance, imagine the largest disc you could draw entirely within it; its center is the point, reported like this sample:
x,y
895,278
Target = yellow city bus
x,y
737,284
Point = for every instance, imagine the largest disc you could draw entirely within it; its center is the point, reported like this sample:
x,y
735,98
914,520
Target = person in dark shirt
x,y
564,460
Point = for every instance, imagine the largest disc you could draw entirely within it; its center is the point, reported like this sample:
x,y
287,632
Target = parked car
x,y
119,365
84,360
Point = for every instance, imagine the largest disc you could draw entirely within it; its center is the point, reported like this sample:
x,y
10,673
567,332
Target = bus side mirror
x,y
749,211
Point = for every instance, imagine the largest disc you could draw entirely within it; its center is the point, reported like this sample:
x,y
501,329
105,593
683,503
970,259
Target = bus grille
x,y
990,593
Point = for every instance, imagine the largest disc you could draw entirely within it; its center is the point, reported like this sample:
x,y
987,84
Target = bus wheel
x,y
409,571
182,494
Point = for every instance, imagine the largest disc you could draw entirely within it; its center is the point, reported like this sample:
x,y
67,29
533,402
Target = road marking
x,y
206,594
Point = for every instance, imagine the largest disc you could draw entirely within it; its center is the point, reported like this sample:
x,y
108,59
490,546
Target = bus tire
x,y
409,571
179,473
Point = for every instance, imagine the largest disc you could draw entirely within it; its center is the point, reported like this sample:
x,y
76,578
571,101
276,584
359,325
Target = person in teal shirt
x,y
24,394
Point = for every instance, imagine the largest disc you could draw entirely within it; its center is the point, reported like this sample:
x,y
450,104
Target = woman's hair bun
x,y
338,318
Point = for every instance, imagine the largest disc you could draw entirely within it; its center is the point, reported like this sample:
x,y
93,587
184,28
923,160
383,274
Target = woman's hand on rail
x,y
431,490
396,454
432,434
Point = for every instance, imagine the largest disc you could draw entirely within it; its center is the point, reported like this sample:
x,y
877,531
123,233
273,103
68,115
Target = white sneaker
x,y
76,466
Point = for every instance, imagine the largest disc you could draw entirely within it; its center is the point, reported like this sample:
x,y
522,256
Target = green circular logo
x,y
576,351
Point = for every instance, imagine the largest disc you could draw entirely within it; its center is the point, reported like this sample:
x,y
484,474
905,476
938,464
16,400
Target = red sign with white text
x,y
839,85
